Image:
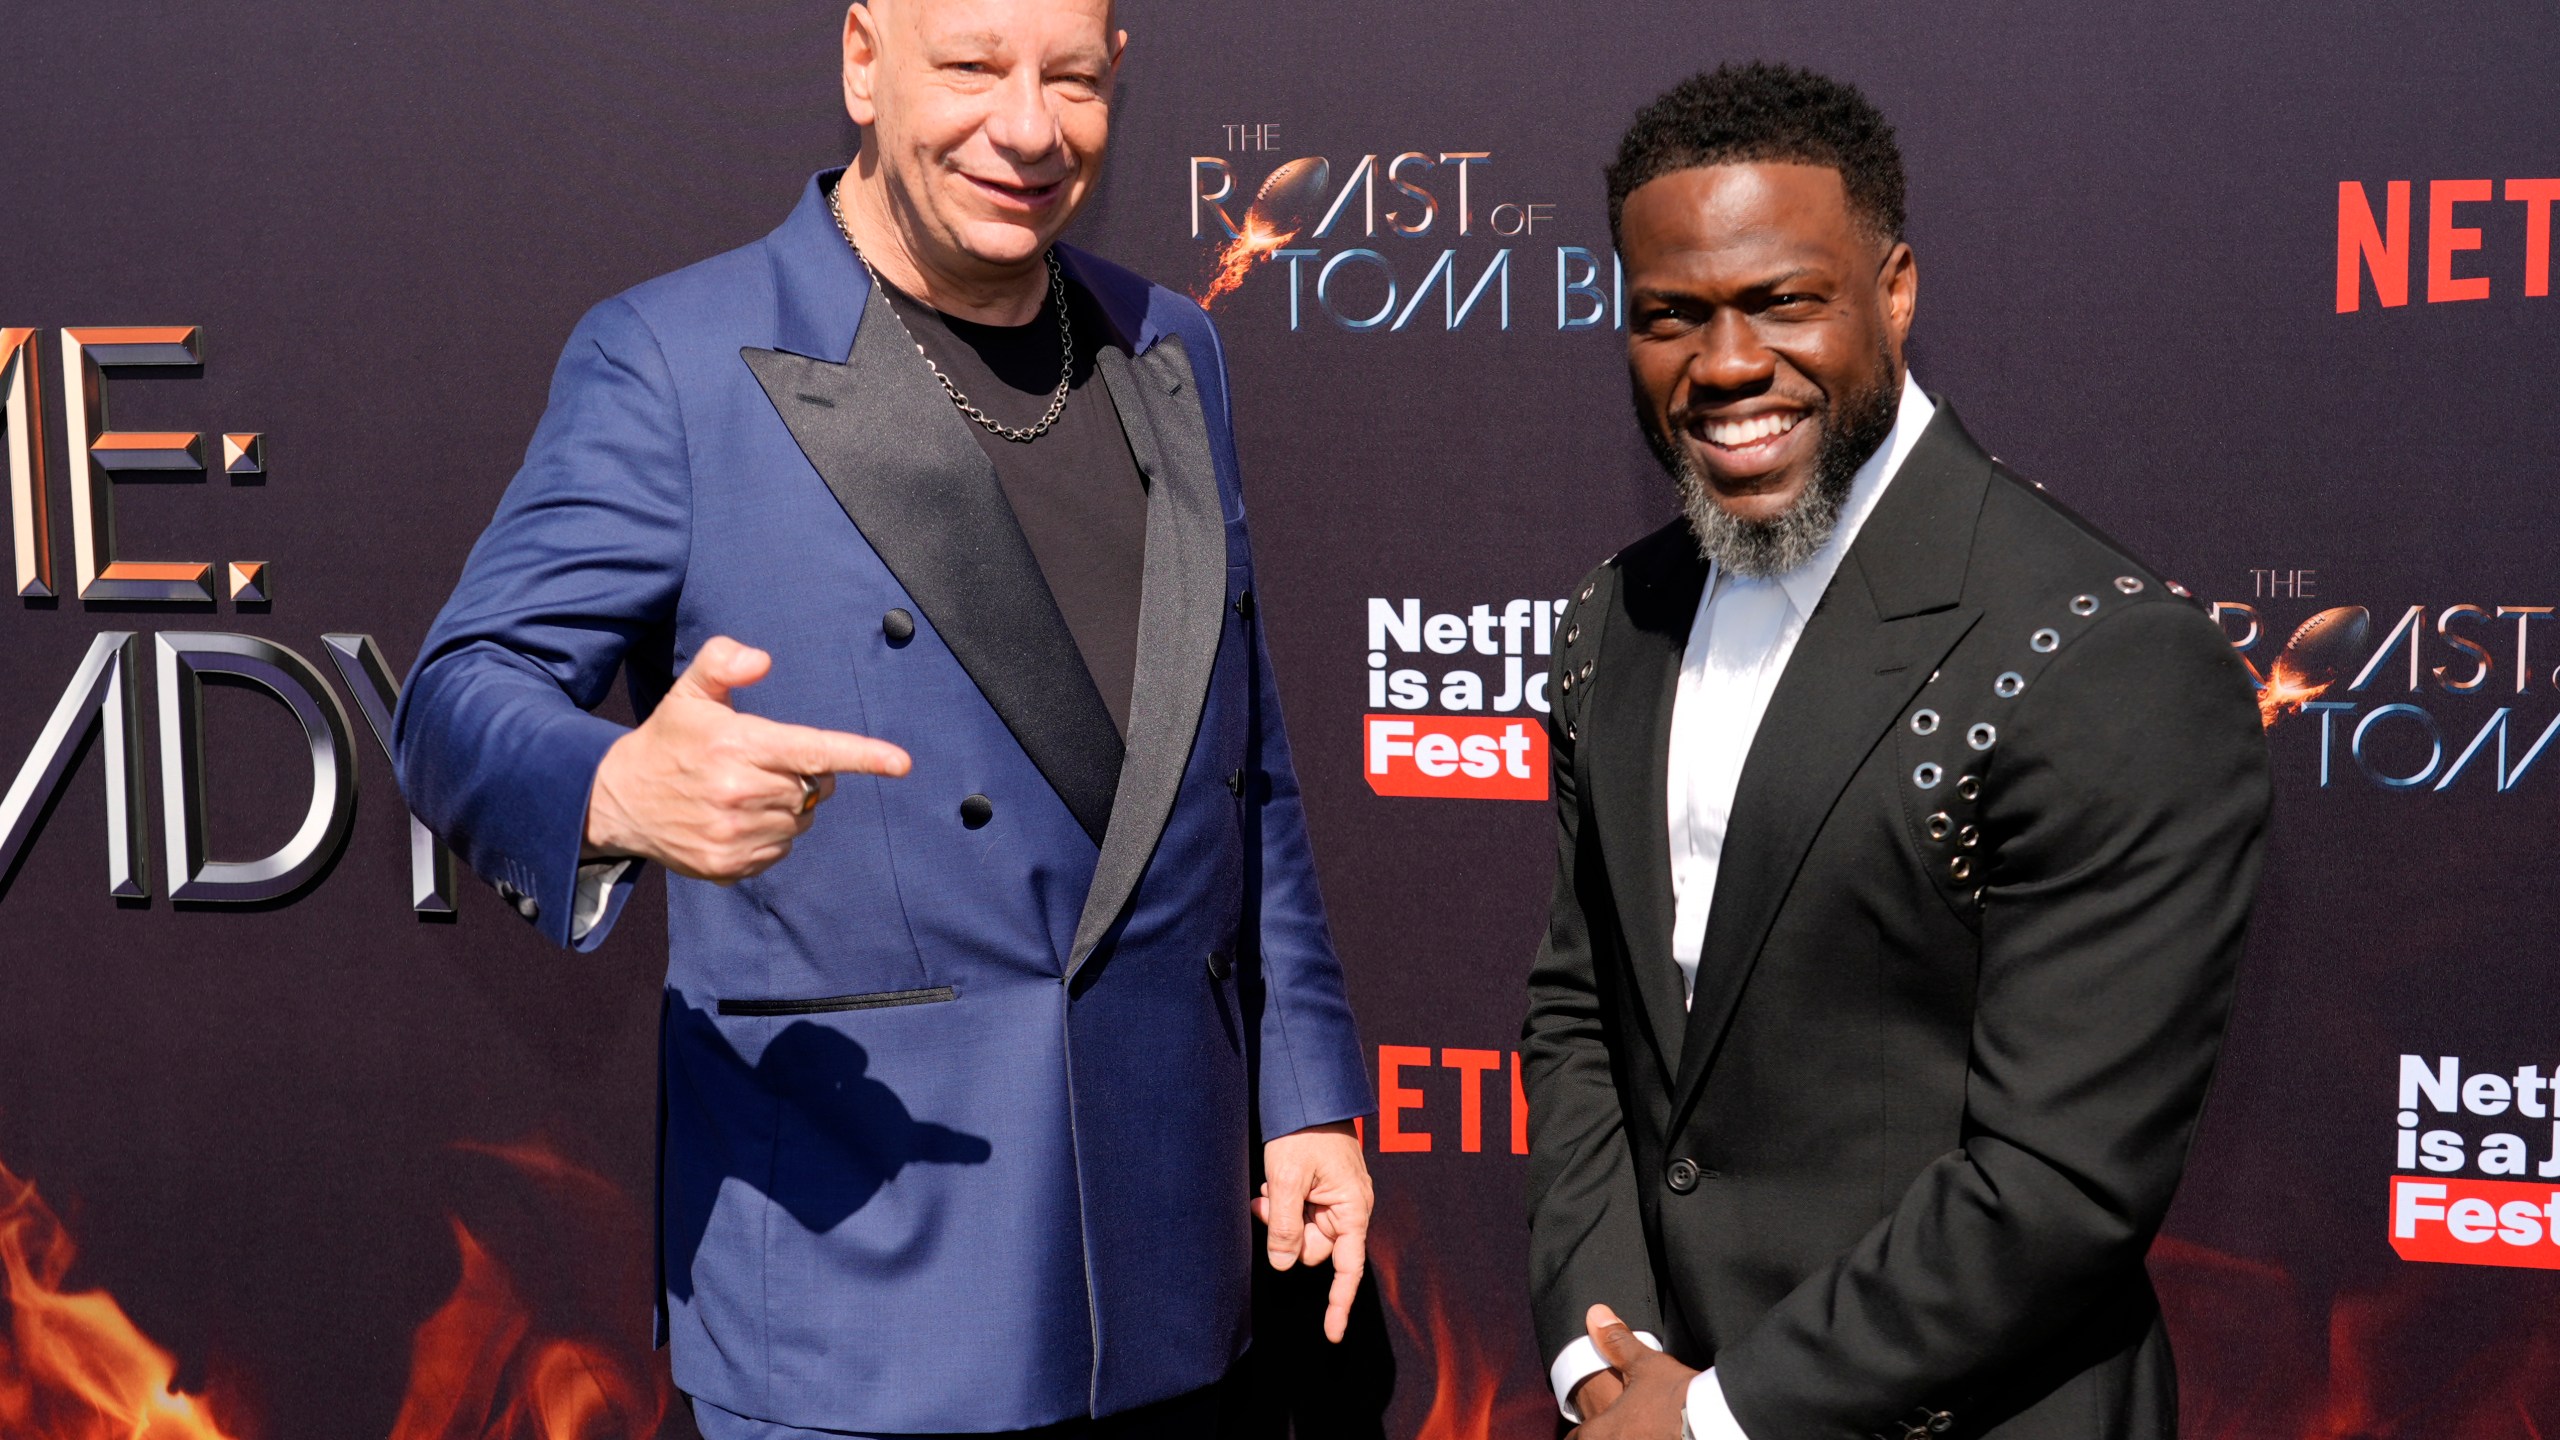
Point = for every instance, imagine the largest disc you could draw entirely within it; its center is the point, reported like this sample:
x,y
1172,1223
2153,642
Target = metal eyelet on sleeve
x,y
2009,685
2128,585
1981,737
2084,604
1941,825
2045,641
1925,723
1928,774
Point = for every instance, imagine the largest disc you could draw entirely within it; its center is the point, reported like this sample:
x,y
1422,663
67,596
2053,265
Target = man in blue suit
x,y
995,938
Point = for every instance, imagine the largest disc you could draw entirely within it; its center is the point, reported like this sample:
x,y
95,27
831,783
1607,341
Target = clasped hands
x,y
716,795
1642,1393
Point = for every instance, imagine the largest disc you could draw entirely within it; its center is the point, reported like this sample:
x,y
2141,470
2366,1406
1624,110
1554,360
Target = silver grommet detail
x,y
1586,591
1585,671
1570,733
1941,825
1977,899
2181,591
1969,788
1927,775
1566,684
2128,585
2009,684
1572,633
2045,641
2084,604
1961,867
1969,836
1925,723
1933,677
1980,737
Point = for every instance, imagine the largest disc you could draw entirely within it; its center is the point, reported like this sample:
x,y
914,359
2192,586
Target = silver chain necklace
x,y
1066,342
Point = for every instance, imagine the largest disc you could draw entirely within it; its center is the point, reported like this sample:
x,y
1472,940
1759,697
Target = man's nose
x,y
1022,124
1730,356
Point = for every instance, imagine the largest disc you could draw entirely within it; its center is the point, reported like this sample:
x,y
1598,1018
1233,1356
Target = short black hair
x,y
1764,112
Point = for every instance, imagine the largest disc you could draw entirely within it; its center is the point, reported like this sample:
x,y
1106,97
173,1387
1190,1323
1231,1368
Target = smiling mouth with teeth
x,y
1750,432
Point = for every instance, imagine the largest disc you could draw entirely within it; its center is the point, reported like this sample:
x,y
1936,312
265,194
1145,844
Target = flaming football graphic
x,y
1280,209
2309,663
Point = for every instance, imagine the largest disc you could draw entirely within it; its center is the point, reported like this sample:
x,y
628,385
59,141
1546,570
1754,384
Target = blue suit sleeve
x,y
584,561
1308,1057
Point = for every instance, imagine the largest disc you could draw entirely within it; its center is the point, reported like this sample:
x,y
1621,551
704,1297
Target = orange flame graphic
x,y
1239,255
1467,1380
478,1371
2287,691
75,1366
1280,209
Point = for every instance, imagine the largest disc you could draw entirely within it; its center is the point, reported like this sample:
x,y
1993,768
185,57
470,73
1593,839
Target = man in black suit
x,y
1907,832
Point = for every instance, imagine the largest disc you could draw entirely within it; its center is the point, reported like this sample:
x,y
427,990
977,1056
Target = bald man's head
x,y
984,124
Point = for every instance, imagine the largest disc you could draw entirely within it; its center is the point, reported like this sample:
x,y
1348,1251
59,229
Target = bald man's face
x,y
988,119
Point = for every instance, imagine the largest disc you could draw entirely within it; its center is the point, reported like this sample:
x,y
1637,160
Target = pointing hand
x,y
713,794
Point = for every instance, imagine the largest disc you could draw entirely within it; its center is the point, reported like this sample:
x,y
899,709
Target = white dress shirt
x,y
1739,644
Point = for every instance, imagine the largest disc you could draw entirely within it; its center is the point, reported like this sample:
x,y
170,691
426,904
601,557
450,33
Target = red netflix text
x,y
1418,1100
2375,244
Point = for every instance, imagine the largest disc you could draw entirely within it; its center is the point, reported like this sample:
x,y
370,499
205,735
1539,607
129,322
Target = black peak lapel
x,y
1181,614
1891,614
912,479
1634,681
1915,560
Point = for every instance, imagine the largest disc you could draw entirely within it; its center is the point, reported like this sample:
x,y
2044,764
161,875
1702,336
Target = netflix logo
x,y
1427,1106
1482,670
2452,1218
2374,245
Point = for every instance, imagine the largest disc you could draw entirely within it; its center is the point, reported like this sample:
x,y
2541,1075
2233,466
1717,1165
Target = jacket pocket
x,y
877,1000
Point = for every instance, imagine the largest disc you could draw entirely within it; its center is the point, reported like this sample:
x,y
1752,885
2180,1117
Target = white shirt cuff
x,y
1705,1414
596,880
1579,1362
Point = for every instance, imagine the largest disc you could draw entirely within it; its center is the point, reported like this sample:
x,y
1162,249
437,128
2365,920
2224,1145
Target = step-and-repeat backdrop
x,y
327,1143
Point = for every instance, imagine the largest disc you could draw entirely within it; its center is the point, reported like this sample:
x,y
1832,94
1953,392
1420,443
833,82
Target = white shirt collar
x,y
1805,583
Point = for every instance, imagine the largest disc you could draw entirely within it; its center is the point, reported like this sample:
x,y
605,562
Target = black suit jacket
x,y
1964,981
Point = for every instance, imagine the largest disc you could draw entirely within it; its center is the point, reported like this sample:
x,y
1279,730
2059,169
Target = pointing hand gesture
x,y
713,794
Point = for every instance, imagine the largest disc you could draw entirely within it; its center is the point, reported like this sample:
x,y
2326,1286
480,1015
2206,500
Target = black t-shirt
x,y
1076,490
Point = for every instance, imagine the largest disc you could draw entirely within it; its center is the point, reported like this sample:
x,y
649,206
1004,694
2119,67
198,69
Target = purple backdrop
x,y
262,1124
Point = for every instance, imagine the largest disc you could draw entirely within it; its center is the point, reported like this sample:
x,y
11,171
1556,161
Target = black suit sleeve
x,y
1586,1234
2125,812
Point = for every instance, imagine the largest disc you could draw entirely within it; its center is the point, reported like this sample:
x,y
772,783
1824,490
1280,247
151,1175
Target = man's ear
x,y
861,64
1900,279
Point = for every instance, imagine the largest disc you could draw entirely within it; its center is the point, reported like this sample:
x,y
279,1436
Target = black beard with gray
x,y
1852,429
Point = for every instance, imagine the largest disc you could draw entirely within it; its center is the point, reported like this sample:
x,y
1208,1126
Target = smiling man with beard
x,y
1908,829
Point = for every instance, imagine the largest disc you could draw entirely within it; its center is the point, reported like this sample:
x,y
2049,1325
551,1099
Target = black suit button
x,y
1244,604
1222,963
976,811
1683,1177
899,626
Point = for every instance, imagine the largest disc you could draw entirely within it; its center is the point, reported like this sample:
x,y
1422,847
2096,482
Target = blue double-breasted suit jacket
x,y
957,1111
